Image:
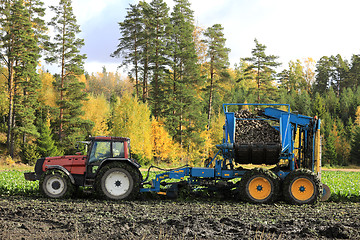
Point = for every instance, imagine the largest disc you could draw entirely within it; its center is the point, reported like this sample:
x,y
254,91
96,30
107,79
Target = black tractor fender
x,y
131,162
61,168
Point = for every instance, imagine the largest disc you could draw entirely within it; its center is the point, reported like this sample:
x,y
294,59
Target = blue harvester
x,y
259,172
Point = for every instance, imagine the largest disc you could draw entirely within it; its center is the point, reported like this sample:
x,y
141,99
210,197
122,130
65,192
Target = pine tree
x,y
183,108
264,67
145,46
293,79
129,44
159,22
354,72
64,49
217,55
19,44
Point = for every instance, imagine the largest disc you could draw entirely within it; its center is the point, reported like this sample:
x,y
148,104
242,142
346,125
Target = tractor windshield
x,y
99,151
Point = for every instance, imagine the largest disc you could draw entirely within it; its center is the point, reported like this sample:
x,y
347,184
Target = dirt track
x,y
88,218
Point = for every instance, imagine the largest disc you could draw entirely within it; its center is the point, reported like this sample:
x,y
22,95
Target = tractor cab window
x,y
100,151
118,149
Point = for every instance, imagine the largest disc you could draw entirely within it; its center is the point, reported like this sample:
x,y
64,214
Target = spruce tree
x,y
355,146
45,143
264,66
217,55
64,50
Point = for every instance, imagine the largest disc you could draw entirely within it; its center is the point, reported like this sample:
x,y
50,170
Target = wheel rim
x,y
55,185
259,188
302,189
117,183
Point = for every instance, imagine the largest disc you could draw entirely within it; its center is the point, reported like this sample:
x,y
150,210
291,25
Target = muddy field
x,y
89,218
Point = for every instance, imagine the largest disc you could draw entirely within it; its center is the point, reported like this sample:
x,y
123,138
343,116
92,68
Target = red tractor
x,y
107,168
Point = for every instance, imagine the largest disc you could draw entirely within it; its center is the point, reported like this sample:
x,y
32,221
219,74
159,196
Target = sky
x,y
289,29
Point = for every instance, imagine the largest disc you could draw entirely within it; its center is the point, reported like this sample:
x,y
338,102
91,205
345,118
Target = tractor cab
x,y
105,149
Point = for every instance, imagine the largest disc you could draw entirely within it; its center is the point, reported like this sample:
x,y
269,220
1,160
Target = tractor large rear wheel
x,y
302,187
259,186
56,184
117,181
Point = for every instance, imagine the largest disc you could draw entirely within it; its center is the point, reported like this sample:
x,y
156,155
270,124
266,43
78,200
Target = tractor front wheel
x,y
117,181
56,184
302,187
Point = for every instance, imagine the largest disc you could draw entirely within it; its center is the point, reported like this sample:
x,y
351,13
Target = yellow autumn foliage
x,y
47,93
164,148
212,137
131,119
357,116
97,110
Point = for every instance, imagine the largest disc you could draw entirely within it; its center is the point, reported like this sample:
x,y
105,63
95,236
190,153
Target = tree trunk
x,y
62,83
136,69
258,80
9,138
145,75
210,93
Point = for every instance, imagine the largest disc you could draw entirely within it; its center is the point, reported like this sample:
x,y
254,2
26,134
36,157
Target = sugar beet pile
x,y
254,131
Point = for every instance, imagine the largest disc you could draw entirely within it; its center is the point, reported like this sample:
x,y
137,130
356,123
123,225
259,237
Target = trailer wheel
x,y
117,181
302,187
56,184
259,186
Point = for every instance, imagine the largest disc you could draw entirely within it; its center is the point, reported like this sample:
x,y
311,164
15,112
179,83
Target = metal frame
x,y
289,123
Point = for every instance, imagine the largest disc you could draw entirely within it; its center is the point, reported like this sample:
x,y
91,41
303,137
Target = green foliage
x,y
20,51
64,49
182,113
45,144
355,146
344,186
13,183
29,153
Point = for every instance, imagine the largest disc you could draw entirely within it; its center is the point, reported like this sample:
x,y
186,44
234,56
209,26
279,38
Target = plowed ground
x,y
91,218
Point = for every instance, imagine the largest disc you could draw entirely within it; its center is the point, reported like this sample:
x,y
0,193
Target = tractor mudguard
x,y
49,167
131,162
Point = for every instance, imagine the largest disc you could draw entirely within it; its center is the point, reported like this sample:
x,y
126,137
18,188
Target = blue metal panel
x,y
203,172
285,133
230,127
294,118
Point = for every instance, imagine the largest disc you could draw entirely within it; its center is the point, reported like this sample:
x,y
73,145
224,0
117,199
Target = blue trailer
x,y
296,180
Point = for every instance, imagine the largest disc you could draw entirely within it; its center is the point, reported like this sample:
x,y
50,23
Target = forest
x,y
170,102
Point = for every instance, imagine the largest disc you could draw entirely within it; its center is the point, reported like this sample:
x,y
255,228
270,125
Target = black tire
x,y
56,184
259,186
118,181
302,186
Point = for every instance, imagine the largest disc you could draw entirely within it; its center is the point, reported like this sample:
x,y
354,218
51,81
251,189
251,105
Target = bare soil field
x,y
205,218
